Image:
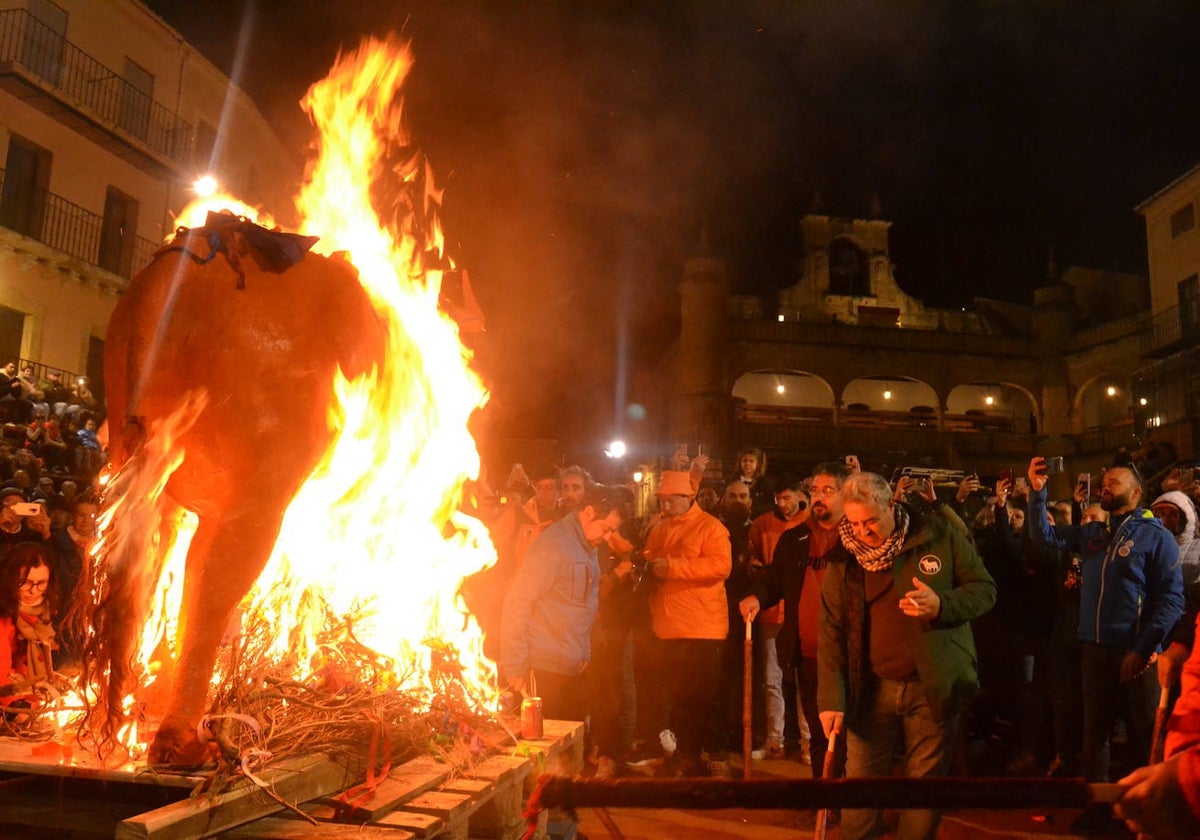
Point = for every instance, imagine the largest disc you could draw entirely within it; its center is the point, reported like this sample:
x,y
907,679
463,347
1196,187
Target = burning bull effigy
x,y
288,426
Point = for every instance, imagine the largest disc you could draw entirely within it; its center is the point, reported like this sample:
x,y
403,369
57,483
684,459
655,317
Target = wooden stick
x,y
803,794
1158,740
747,697
826,773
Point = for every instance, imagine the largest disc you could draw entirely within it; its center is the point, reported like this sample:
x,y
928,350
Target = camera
x,y
27,508
1054,465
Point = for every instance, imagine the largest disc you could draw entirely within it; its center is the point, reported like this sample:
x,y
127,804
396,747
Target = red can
x,y
531,718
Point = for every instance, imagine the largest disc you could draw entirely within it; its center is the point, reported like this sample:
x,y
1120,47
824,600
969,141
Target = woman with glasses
x,y
28,602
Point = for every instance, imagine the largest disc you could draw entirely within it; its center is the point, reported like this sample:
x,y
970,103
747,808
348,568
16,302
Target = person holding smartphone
x,y
1131,597
18,522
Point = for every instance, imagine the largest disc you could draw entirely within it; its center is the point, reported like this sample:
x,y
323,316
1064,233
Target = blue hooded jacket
x,y
1132,591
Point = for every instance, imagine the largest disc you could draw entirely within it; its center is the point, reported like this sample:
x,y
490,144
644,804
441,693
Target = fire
x,y
375,537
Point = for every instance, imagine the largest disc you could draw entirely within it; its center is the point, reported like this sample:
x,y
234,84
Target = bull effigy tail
x,y
138,527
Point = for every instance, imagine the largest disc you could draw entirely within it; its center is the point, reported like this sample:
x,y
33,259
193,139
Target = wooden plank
x,y
295,779
408,780
419,825
447,805
278,828
18,755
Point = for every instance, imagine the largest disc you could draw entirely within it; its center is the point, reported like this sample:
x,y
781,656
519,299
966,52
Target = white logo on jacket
x,y
930,564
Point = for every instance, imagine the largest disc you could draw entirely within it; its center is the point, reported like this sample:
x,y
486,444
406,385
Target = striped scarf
x,y
876,559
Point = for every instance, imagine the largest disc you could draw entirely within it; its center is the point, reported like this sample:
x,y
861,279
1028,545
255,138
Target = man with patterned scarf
x,y
895,654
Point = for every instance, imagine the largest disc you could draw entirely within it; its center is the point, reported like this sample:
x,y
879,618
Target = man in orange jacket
x,y
689,554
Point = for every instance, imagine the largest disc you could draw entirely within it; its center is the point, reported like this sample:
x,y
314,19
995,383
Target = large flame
x,y
375,537
376,530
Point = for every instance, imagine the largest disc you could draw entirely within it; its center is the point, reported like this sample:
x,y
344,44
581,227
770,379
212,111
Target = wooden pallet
x,y
424,798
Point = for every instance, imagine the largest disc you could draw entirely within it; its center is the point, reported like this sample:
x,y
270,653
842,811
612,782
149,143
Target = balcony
x,y
1174,329
73,230
48,72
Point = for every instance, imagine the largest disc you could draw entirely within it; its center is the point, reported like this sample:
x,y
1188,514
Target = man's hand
x,y
966,487
679,461
749,607
921,602
516,685
1003,488
927,492
1153,804
852,464
831,721
903,485
40,522
700,463
623,568
1170,664
1037,472
659,566
1132,664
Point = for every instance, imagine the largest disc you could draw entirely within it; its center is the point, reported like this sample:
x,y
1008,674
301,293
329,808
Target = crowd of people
x,y
49,459
977,627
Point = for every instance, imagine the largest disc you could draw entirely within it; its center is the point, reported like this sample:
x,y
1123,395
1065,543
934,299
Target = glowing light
x,y
1143,401
1111,391
989,400
779,389
616,449
638,476
205,186
781,318
887,394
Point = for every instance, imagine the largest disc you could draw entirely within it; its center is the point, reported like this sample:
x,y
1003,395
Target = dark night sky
x,y
584,145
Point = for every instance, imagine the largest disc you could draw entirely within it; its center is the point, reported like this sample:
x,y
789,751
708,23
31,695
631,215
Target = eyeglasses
x,y
35,585
823,491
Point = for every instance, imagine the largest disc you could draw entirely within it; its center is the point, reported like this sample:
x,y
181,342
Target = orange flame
x,y
375,532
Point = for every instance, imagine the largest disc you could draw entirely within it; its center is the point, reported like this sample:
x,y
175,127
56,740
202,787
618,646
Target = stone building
x,y
1167,386
107,117
846,362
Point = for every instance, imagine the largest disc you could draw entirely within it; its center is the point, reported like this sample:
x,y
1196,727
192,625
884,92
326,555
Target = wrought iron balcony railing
x,y
35,50
1175,328
74,230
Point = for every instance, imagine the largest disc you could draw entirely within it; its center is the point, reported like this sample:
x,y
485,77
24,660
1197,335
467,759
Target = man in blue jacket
x,y
1130,599
548,614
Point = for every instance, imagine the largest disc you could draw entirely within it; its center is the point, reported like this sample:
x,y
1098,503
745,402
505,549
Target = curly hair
x,y
17,562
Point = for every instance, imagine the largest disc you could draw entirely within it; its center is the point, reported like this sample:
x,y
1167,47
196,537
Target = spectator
x,y
752,471
89,457
896,658
791,510
17,527
688,551
28,602
1130,600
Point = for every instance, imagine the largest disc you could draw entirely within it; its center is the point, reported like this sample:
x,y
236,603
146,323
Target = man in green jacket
x,y
895,655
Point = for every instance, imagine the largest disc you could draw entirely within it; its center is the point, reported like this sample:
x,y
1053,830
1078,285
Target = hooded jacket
x,y
549,611
690,603
938,553
1189,544
1132,591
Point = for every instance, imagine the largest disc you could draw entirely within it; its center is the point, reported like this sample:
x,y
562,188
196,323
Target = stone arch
x,y
883,392
784,388
996,403
1105,399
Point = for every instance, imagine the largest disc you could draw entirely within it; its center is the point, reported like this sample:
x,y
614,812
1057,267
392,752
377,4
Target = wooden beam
x,y
278,828
294,779
405,782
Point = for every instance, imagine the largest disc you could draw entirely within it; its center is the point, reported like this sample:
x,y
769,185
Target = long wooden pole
x,y
804,794
747,697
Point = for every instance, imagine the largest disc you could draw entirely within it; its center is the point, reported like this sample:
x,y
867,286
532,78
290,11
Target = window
x,y
118,232
26,182
1189,306
137,95
849,272
44,41
1183,220
206,143
12,328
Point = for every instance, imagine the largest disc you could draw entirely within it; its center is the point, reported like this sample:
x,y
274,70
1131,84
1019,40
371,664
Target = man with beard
x,y
1131,596
794,577
791,509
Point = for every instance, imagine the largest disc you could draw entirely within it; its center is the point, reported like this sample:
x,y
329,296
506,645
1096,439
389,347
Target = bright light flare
x,y
205,186
616,449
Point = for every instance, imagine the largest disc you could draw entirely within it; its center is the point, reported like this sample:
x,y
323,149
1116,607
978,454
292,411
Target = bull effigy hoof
x,y
176,744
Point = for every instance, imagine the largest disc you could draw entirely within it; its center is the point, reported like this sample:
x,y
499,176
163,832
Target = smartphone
x,y
1085,481
27,508
701,450
1006,475
1054,465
